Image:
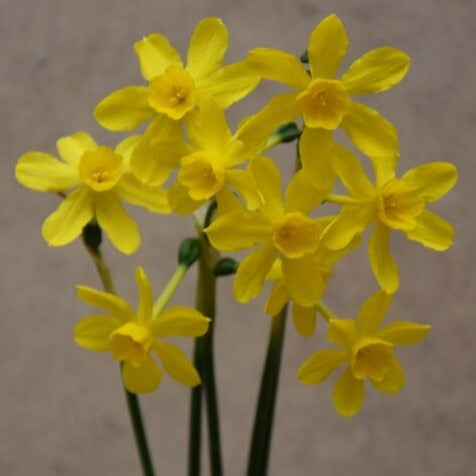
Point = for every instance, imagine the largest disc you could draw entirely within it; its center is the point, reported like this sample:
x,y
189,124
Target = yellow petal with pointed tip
x,y
180,201
348,394
243,182
301,195
404,332
304,319
316,368
432,231
180,321
342,331
376,71
177,364
143,379
277,298
372,312
93,332
327,47
144,311
72,147
152,198
115,305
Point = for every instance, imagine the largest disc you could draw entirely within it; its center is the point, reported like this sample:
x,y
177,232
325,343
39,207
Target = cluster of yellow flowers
x,y
188,157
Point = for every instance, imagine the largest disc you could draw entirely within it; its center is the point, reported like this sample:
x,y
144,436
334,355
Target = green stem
x,y
92,242
341,199
263,424
169,289
326,313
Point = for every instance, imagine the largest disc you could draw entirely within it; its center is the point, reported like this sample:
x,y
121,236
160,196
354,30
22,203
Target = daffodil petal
x,y
351,221
207,47
277,65
348,394
301,195
327,47
351,173
432,231
315,148
93,332
124,109
434,179
227,202
180,321
228,84
238,230
393,381
252,272
121,229
144,310
316,368
376,71
115,305
382,263
155,53
72,147
44,172
177,364
277,298
152,198
372,312
125,148
268,182
341,331
67,222
143,379
180,201
370,132
243,182
304,282
404,332
304,319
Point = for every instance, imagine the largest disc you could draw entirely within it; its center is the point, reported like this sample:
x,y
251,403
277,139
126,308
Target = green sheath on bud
x,y
225,267
305,57
189,251
288,132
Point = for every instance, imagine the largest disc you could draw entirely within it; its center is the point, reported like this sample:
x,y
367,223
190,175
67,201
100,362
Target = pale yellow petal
x,y
277,65
180,321
393,381
252,272
372,312
143,379
348,394
207,47
93,332
327,47
301,195
404,332
152,198
227,202
144,309
155,54
180,201
177,364
124,109
370,132
382,263
228,84
115,305
67,222
305,319
316,368
433,180
342,332
432,231
243,182
120,228
277,298
125,148
44,172
72,147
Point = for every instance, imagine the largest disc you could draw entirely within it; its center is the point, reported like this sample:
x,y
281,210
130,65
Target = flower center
x,y
173,92
398,204
131,342
202,174
296,235
324,103
100,168
371,358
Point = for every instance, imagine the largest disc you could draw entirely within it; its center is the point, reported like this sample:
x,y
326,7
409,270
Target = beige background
x,y
61,408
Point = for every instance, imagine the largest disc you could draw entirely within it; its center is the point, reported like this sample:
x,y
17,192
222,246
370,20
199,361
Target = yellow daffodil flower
x,y
394,204
175,90
98,176
131,336
326,102
282,229
368,349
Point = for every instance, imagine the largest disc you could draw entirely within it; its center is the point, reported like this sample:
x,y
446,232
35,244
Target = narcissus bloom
x,y
132,337
323,100
367,349
175,89
99,177
281,229
394,204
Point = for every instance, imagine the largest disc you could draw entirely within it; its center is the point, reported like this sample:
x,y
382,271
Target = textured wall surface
x,y
61,408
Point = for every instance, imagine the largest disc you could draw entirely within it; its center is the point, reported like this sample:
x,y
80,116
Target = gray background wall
x,y
61,408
